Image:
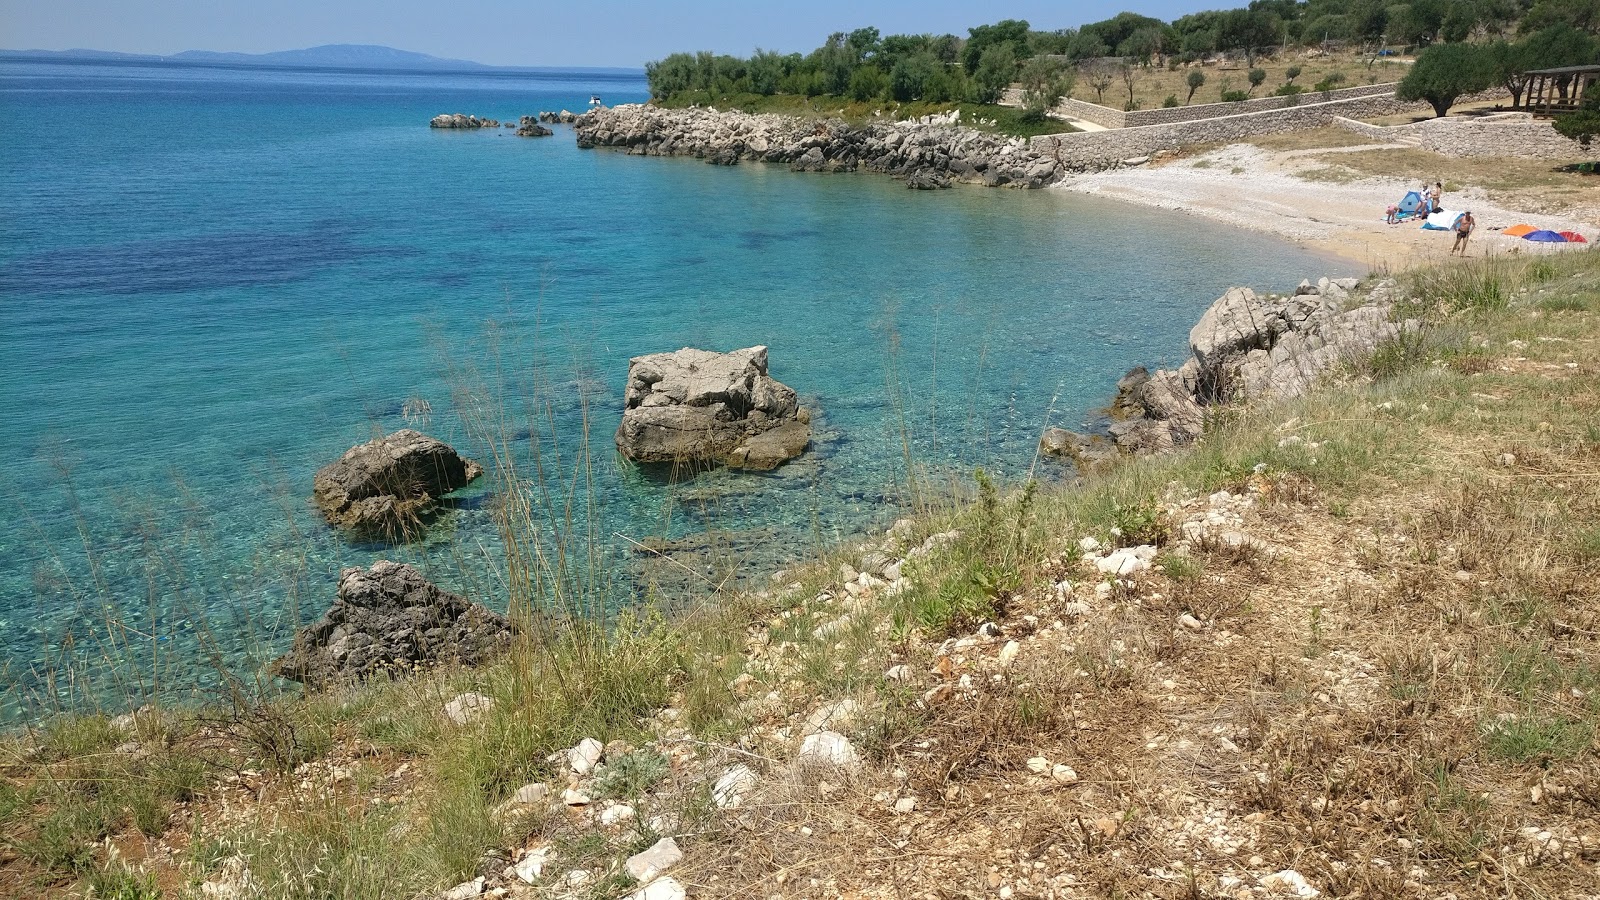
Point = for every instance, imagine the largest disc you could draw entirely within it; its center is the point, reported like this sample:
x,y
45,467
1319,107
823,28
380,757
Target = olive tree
x,y
1444,72
1196,81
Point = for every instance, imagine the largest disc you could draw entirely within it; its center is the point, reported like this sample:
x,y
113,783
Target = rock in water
x,y
384,487
390,619
701,408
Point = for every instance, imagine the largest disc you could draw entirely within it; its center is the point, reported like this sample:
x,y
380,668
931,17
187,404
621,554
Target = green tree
x,y
1582,125
1099,75
1257,78
867,83
1248,32
996,70
1196,81
1044,82
1583,15
1291,74
1010,33
1444,72
911,76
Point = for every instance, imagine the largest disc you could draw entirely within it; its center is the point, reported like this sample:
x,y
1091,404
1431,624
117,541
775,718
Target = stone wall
x,y
1097,149
1104,116
1260,104
1507,134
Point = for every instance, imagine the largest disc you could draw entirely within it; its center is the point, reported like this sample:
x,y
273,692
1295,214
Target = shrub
x,y
1289,90
1170,102
1234,96
1332,81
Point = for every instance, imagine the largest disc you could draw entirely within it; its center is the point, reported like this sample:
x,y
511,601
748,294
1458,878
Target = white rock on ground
x,y
531,867
530,794
1008,654
1289,882
469,707
464,891
1127,561
583,757
660,889
828,749
614,815
732,786
1063,774
650,864
832,717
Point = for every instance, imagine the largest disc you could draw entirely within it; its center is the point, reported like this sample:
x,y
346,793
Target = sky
x,y
518,32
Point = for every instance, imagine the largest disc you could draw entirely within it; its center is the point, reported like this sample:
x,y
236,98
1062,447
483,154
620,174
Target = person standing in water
x,y
1464,226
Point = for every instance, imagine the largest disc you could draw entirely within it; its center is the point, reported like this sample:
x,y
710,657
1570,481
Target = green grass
x,y
1537,739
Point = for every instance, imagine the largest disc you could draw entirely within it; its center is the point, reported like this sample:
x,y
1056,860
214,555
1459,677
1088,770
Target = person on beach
x,y
1435,196
1464,226
1392,214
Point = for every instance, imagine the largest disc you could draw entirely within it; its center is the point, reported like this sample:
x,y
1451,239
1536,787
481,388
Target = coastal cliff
x,y
927,153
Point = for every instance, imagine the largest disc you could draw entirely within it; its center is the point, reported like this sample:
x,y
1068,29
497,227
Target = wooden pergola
x,y
1552,92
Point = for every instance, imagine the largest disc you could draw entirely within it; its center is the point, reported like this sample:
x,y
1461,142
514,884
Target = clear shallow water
x,y
213,281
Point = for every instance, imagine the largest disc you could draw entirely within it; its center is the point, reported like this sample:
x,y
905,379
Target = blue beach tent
x,y
1412,205
1544,237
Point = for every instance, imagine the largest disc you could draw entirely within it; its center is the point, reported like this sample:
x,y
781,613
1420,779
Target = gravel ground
x,y
1248,187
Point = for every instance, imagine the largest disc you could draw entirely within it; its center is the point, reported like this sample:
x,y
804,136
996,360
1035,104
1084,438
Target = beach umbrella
x,y
1573,237
1519,230
1544,237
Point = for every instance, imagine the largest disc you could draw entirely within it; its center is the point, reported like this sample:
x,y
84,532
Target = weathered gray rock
x,y
529,127
457,120
1087,451
649,864
390,619
384,487
1245,347
929,153
702,408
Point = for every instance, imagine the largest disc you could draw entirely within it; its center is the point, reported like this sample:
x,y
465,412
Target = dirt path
x,y
1270,192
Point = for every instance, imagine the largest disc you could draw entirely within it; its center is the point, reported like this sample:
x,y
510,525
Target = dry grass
x,y
1382,675
1538,186
1153,85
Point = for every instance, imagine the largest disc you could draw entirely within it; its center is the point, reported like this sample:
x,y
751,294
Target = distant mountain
x,y
333,56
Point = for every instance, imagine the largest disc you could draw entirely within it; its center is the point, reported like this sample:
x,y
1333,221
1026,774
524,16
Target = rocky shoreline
x,y
1245,348
929,153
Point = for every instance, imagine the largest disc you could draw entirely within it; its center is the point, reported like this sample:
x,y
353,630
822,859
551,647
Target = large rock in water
x,y
384,487
701,408
390,619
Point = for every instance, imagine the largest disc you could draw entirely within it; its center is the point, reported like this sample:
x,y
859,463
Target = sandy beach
x,y
1262,190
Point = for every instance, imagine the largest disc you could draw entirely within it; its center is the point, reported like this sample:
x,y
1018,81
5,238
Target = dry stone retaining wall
x,y
1097,149
1508,134
1174,114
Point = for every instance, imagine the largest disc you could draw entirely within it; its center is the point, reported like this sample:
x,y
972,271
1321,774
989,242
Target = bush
x,y
1170,102
1288,90
867,83
1331,82
1234,96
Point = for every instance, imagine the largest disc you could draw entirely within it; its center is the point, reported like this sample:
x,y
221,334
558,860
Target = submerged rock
x,y
390,619
384,487
701,408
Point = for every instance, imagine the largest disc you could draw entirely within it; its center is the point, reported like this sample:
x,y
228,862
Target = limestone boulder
x,y
701,408
385,487
390,619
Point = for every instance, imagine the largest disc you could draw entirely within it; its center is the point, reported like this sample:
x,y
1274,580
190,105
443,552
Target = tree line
x,y
866,65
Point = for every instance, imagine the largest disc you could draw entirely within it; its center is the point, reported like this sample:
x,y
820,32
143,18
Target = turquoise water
x,y
213,281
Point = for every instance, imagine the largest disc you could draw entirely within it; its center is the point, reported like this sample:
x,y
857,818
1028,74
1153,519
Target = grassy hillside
x,y
1378,672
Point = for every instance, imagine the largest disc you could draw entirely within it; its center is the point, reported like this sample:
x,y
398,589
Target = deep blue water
x,y
213,281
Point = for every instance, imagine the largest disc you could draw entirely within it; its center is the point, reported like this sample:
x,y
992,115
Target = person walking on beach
x,y
1464,226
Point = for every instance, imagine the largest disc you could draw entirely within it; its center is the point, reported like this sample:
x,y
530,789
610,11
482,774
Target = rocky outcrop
x,y
384,487
457,120
529,126
389,619
928,154
701,408
564,117
1246,347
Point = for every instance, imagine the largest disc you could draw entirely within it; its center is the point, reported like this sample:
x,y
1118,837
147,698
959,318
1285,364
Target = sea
x,y
214,280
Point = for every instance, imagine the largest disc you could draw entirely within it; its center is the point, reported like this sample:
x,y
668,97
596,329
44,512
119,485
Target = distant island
x,y
336,56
